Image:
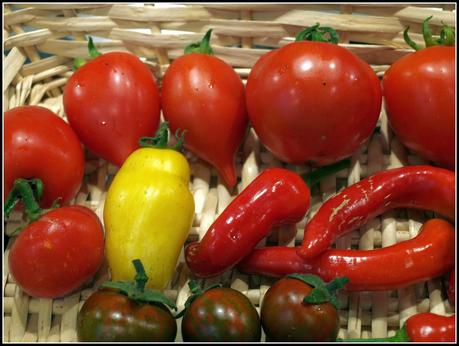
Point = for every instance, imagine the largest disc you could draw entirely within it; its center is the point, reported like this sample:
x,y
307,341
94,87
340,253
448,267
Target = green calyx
x,y
318,34
135,290
202,46
314,177
401,335
322,292
196,291
29,192
162,137
447,36
93,53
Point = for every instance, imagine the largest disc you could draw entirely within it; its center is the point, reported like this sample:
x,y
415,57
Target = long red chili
x,y
277,196
419,187
428,255
422,327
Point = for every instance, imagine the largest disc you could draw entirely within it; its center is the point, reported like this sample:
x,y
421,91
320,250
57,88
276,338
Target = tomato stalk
x,y
202,46
162,137
196,291
447,36
93,53
316,33
322,292
135,290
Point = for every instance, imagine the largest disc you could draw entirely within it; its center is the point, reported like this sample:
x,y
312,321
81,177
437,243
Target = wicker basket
x,y
42,39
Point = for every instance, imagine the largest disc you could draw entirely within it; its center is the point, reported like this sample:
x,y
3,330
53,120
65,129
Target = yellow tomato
x,y
148,214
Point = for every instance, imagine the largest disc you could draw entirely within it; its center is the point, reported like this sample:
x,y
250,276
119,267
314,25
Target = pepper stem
x,y
318,174
321,292
401,335
141,277
447,36
162,137
317,33
202,46
27,191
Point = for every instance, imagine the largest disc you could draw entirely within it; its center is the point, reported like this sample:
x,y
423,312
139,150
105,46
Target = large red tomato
x,y
111,102
312,101
39,144
205,96
58,253
419,97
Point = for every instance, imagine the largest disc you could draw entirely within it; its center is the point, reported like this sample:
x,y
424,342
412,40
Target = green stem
x,y
162,137
322,292
428,39
318,174
409,41
401,335
136,290
23,190
202,46
196,291
318,34
447,36
93,53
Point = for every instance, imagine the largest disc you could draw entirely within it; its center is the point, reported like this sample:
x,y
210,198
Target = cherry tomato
x,y
39,144
221,314
205,96
312,101
285,317
419,98
111,316
111,102
59,252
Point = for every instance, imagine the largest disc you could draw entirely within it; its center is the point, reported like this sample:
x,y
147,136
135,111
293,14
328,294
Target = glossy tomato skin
x,y
221,314
39,144
111,102
285,317
59,252
109,316
419,98
313,101
205,96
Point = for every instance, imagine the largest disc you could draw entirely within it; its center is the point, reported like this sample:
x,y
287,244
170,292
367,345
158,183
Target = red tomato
x,y
312,101
59,252
419,97
111,102
205,96
39,144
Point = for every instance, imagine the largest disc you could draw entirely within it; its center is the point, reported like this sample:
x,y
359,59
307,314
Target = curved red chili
x,y
277,196
419,187
428,255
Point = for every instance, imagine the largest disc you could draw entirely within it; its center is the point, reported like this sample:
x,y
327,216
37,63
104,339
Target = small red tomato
x,y
286,317
419,97
111,102
312,101
39,144
203,95
59,252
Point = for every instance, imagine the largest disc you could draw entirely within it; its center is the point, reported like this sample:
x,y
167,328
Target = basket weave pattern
x,y
40,44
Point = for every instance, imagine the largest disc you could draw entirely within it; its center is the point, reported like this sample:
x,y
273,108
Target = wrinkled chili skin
x,y
430,327
285,317
112,317
277,196
418,187
221,314
430,254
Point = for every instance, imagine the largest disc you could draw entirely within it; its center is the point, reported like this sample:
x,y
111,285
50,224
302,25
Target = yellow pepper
x,y
148,212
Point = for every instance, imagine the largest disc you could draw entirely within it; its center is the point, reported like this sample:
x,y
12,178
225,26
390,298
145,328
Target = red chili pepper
x,y
422,327
277,196
452,287
419,187
428,255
